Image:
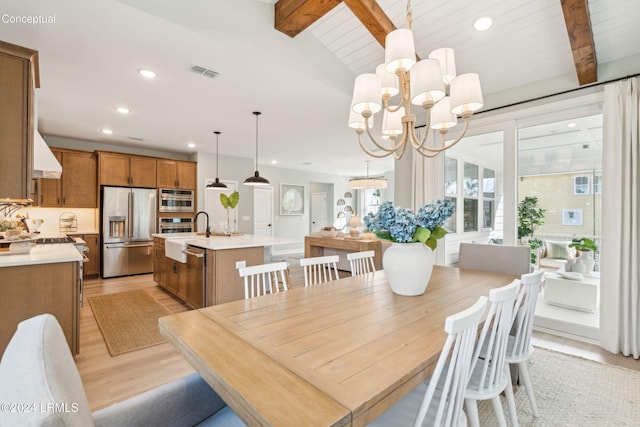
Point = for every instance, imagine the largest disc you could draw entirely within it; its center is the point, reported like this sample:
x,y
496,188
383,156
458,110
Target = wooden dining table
x,y
335,354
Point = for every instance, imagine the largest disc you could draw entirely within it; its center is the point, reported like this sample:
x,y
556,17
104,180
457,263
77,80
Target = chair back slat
x,y
524,313
494,338
263,279
361,262
320,269
456,353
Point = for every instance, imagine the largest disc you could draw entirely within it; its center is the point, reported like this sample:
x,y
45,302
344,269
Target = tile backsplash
x,y
87,218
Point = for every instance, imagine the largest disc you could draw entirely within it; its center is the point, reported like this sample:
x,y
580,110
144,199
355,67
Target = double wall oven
x,y
176,200
175,225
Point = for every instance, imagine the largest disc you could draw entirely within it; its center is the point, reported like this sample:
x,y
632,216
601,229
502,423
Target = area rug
x,y
571,391
128,320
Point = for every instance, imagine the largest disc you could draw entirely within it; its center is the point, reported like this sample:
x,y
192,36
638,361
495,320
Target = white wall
x,y
292,227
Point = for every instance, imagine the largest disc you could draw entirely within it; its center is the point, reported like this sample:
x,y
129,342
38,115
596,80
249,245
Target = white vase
x,y
579,267
408,267
589,263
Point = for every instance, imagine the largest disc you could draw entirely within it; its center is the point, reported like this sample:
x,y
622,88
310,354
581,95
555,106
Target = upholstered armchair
x,y
40,386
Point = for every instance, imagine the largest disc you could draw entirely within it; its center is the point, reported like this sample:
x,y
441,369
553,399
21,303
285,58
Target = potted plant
x,y
586,247
229,202
530,217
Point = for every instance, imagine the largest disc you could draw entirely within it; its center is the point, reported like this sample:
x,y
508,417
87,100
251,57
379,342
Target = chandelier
x,y
367,183
430,83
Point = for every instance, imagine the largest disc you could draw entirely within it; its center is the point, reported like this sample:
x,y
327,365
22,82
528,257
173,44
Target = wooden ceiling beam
x,y
294,16
372,17
576,18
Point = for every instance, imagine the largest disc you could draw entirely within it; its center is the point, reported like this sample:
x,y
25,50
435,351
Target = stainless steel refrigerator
x,y
128,222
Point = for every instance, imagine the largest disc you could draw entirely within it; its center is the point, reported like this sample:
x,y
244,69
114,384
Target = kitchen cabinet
x,y
78,185
223,282
91,268
18,79
126,170
176,174
30,290
176,277
159,263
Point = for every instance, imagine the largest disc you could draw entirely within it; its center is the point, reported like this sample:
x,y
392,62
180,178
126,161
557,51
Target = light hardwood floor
x,y
108,379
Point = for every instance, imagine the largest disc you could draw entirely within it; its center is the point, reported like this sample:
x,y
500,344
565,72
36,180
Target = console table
x,y
314,247
579,295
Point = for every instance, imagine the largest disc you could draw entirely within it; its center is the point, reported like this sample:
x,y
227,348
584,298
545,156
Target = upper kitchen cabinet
x,y
18,80
77,187
127,171
176,174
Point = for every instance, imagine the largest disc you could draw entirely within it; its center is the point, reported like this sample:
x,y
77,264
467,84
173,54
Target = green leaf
x,y
224,200
438,233
421,234
231,201
384,235
431,243
234,198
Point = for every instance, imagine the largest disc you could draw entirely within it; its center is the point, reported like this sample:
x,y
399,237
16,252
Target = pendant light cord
x,y
257,113
217,151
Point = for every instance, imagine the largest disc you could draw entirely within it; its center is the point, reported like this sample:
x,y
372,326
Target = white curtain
x,y
620,277
423,174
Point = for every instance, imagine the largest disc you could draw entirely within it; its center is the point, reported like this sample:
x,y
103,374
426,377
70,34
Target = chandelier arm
x,y
392,109
373,139
444,146
399,156
371,153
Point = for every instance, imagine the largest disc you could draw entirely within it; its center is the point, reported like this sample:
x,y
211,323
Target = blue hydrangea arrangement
x,y
401,225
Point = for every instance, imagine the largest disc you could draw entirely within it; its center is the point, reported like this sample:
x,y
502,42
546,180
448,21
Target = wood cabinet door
x,y
79,180
50,190
92,267
166,174
142,171
186,175
172,272
114,169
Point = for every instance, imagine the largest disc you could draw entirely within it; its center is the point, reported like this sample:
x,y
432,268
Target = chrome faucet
x,y
207,232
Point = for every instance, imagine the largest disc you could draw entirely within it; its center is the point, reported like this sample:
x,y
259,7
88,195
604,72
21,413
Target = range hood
x,y
45,164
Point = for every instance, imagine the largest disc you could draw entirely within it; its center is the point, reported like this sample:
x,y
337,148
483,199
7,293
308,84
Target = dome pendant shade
x,y
217,185
256,179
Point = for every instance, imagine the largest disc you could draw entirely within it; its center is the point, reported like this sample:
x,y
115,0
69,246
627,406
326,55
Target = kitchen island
x,y
45,280
207,273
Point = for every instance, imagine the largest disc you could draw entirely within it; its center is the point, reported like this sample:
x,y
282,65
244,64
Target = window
x,y
470,215
488,183
470,180
581,184
488,214
597,184
450,176
450,223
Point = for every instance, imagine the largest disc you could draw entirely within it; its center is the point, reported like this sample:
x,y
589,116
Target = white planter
x,y
408,267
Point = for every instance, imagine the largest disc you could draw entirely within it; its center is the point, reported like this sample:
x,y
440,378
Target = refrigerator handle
x,y
130,214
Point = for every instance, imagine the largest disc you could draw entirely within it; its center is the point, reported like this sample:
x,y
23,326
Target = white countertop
x,y
217,243
42,254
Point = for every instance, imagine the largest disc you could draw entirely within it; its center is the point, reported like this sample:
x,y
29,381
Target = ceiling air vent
x,y
136,138
204,71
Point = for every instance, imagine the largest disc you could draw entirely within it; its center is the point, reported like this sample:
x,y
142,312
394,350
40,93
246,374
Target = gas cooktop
x,y
50,240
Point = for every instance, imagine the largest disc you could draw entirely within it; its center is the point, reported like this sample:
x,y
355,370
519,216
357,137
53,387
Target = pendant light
x,y
217,185
256,179
368,182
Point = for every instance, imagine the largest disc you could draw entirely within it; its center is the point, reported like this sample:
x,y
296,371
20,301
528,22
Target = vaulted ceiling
x,y
303,85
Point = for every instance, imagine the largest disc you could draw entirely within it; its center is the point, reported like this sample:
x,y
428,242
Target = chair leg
x,y
511,401
497,408
472,412
524,371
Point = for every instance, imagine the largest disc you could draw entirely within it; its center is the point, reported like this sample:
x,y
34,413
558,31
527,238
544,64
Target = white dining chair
x,y
490,374
263,279
361,262
320,269
513,260
439,402
519,348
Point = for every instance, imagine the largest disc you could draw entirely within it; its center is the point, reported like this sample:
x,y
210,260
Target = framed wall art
x,y
291,199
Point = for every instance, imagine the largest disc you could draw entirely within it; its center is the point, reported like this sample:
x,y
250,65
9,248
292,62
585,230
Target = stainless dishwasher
x,y
196,283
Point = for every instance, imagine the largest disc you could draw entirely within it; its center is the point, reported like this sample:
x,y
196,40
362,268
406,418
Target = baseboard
x,y
566,334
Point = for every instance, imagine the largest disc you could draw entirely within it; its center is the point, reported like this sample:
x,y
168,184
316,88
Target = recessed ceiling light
x,y
571,124
147,73
107,131
123,110
482,24
191,145
274,162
